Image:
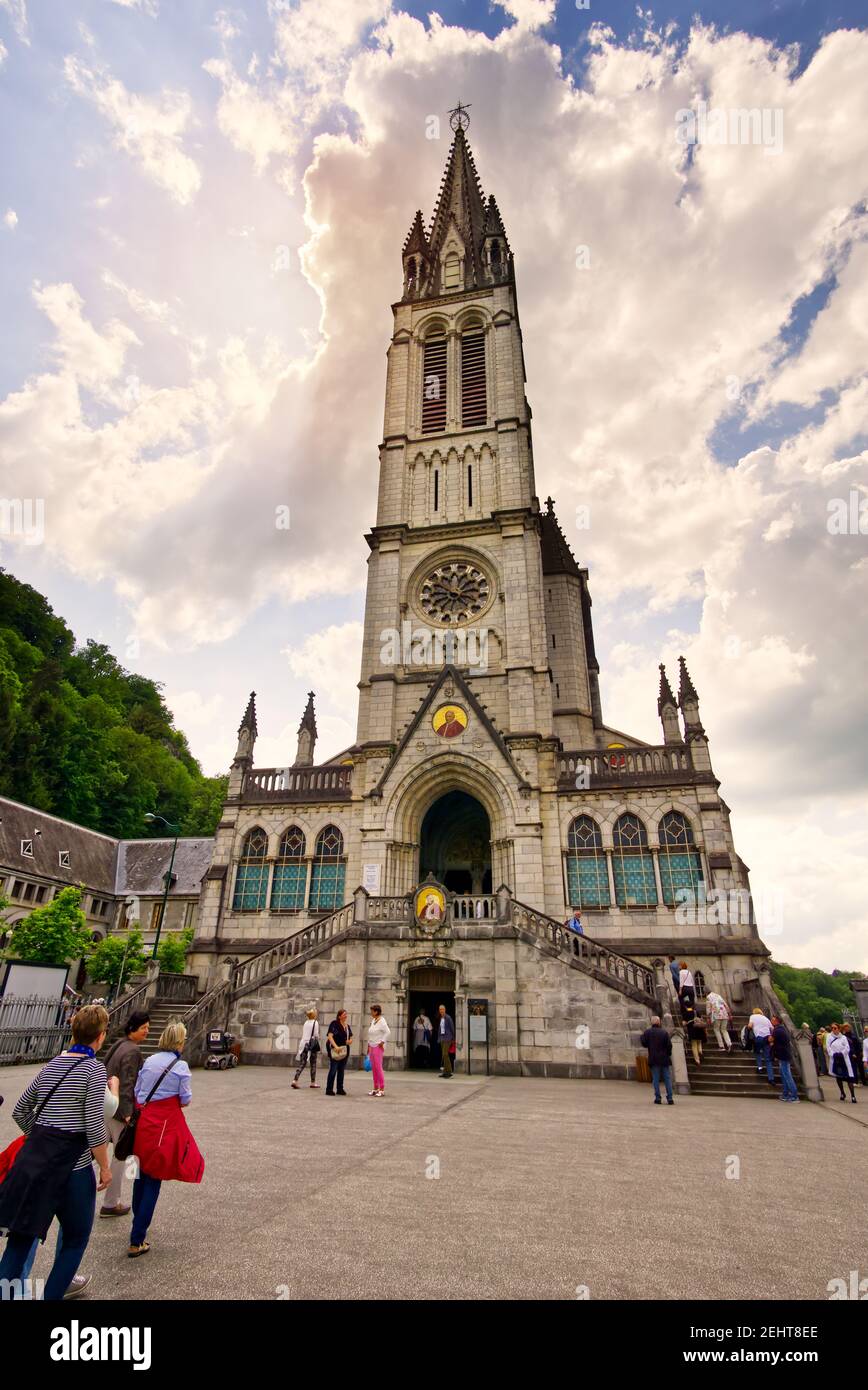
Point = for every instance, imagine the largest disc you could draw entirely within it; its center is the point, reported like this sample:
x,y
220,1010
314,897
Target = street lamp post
x,y
149,816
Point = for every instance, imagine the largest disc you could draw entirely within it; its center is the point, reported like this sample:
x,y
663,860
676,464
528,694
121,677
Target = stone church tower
x,y
485,795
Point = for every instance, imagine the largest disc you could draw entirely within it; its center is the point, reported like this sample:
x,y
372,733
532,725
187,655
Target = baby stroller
x,y
220,1054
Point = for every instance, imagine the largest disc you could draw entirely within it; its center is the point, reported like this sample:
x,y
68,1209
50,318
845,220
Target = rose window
x,y
454,592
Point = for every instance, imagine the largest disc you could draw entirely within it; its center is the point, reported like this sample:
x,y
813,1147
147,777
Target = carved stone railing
x,y
470,907
176,989
131,1002
251,973
610,767
389,909
594,957
332,782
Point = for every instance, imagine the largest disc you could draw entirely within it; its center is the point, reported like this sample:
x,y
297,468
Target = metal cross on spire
x,y
459,117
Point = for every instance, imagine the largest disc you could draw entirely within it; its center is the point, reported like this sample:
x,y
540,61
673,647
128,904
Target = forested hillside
x,y
85,739
812,996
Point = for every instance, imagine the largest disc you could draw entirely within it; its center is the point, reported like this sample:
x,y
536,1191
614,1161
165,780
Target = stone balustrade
x,y
331,782
610,767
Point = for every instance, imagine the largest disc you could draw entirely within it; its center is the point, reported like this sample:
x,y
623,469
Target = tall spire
x,y
306,735
689,702
243,759
668,710
460,203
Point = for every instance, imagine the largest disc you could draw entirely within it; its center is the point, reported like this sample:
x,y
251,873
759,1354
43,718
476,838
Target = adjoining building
x,y
122,880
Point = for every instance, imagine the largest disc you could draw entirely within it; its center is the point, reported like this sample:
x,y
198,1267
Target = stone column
x,y
507,1058
354,998
680,1081
808,1064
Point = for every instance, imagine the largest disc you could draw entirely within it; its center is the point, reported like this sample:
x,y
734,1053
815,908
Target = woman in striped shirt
x,y
61,1112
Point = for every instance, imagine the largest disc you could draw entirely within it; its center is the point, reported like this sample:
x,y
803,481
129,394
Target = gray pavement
x,y
544,1188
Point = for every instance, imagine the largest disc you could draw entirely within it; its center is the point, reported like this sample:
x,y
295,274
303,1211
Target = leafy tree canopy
x,y
52,935
85,739
114,959
812,996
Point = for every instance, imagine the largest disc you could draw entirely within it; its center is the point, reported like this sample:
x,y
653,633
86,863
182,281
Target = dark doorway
x,y
427,994
455,844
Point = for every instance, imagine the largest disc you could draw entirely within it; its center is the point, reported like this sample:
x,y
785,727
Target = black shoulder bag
x,y
126,1141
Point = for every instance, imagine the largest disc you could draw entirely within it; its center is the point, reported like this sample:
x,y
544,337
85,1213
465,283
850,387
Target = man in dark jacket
x,y
124,1060
782,1054
659,1045
855,1047
445,1037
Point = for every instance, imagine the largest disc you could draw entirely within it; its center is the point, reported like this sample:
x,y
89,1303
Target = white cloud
x,y
528,14
10,218
17,11
148,7
151,132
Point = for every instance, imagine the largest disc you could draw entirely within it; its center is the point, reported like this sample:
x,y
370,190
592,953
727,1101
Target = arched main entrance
x,y
455,843
428,986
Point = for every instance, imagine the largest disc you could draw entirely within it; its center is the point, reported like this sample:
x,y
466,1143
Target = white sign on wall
x,y
371,879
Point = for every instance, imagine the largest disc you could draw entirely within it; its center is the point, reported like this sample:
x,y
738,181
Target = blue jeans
x,y
664,1074
146,1190
75,1212
790,1090
764,1057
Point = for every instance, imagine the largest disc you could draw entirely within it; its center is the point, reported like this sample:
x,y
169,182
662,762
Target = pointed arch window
x,y
328,871
474,405
251,879
587,876
680,862
290,872
434,386
632,865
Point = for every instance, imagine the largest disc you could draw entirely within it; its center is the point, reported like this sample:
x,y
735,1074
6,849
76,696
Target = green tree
x,y
172,952
114,959
54,934
812,996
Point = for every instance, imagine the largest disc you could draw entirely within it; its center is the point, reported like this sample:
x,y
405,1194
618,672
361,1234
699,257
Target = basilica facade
x,y
486,794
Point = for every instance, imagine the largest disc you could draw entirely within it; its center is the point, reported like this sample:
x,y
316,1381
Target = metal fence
x,y
21,1045
31,1011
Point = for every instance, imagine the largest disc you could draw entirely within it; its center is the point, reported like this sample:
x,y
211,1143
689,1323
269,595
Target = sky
x,y
202,208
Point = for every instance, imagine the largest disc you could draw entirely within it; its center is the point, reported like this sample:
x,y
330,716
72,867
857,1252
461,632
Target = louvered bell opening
x,y
474,407
434,387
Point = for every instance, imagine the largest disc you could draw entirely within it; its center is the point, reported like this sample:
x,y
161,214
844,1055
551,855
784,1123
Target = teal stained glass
x,y
287,886
587,880
682,870
251,887
634,879
327,886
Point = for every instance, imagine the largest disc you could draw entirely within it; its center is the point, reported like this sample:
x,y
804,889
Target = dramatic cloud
x,y
694,324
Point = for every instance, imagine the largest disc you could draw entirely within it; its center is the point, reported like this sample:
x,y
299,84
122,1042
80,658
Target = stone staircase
x,y
731,1073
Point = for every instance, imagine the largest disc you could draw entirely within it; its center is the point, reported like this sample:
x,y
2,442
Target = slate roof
x,y
141,865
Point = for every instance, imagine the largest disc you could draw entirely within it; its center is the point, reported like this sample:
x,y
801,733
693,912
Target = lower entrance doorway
x,y
429,987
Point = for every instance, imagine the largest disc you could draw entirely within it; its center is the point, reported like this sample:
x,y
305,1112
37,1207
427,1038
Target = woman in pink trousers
x,y
378,1032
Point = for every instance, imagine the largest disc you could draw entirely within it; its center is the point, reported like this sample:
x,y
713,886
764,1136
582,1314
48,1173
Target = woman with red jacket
x,y
164,1146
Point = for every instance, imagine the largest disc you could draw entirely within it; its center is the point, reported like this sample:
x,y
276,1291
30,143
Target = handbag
x,y
126,1141
313,1041
367,1064
338,1054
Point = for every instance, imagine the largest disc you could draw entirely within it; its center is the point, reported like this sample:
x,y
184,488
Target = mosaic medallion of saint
x,y
449,721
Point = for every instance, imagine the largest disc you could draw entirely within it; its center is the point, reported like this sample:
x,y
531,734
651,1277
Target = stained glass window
x,y
328,871
680,863
251,880
290,872
632,865
587,876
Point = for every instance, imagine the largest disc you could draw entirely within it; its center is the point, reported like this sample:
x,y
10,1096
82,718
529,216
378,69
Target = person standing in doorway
x,y
446,1038
338,1040
422,1034
782,1053
762,1030
379,1033
308,1050
659,1045
124,1061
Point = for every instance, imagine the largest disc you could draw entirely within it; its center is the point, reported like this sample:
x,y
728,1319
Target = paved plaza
x,y
543,1187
